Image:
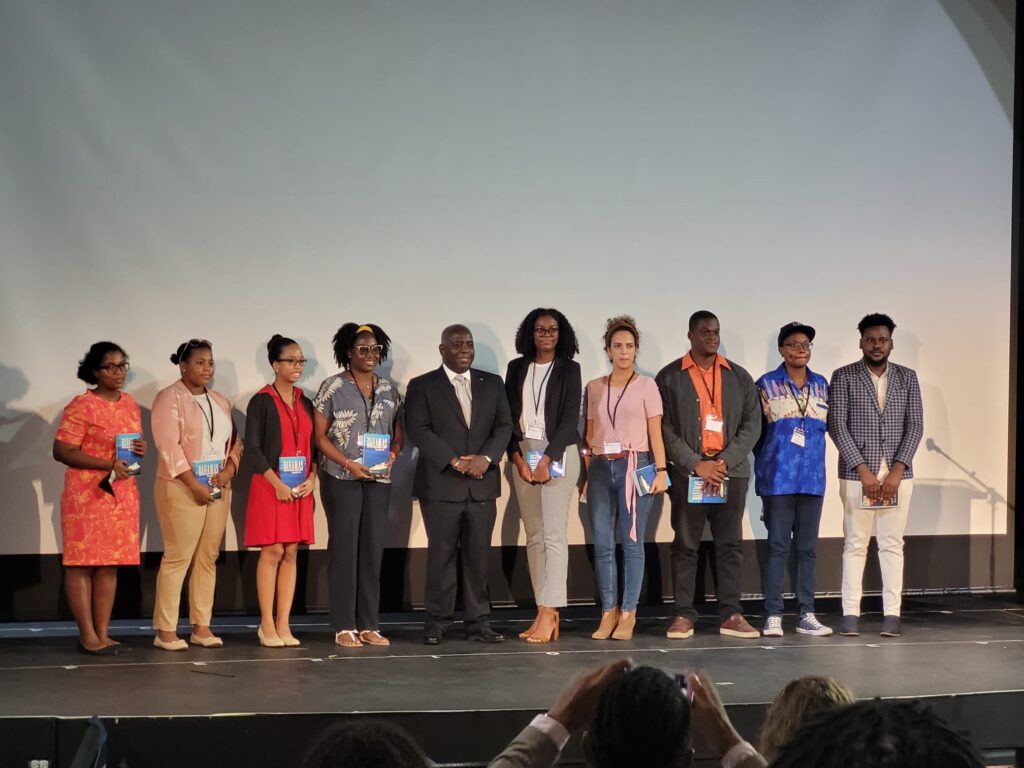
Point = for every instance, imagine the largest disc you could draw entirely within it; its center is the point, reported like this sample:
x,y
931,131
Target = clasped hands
x,y
714,472
473,465
876,489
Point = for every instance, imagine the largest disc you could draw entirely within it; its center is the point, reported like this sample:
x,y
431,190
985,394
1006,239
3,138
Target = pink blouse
x,y
620,415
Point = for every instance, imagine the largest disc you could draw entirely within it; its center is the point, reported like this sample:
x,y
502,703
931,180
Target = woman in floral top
x,y
356,415
99,509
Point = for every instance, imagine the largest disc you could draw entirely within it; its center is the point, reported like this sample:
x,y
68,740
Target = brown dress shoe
x,y
737,626
681,629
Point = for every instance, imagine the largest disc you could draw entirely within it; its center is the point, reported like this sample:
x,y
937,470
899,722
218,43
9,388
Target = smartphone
x,y
683,681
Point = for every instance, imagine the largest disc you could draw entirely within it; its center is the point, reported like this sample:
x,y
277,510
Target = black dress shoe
x,y
106,650
485,635
433,636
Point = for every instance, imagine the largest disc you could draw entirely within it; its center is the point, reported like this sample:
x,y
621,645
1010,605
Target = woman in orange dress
x,y
99,508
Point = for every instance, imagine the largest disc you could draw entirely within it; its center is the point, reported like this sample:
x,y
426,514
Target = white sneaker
x,y
772,627
809,625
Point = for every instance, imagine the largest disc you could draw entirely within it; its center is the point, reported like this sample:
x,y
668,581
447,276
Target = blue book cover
x,y
291,470
697,493
204,470
376,453
555,468
123,445
644,479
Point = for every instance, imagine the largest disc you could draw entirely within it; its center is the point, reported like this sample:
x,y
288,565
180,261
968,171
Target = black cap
x,y
790,328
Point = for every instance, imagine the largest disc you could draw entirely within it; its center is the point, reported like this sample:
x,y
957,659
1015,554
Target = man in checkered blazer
x,y
876,421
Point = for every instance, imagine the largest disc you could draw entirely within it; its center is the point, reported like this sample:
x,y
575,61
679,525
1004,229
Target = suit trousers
x,y
544,510
192,535
356,516
458,529
727,532
888,526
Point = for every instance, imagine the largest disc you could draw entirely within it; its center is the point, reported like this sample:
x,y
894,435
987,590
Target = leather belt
x,y
612,456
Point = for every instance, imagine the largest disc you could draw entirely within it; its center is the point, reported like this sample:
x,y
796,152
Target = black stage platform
x,y
247,705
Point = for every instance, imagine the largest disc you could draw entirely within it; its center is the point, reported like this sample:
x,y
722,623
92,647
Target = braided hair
x,y
642,719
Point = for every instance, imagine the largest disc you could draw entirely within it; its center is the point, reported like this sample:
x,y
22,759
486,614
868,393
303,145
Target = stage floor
x,y
965,652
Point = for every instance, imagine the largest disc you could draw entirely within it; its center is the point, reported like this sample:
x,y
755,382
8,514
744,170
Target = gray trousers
x,y
544,510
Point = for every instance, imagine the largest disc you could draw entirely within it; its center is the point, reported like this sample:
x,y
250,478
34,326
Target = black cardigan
x,y
561,404
263,435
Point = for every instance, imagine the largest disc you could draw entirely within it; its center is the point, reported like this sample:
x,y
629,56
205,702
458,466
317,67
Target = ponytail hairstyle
x,y
186,348
276,345
621,323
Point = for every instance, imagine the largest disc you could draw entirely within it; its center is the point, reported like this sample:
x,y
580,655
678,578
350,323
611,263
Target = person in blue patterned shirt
x,y
789,471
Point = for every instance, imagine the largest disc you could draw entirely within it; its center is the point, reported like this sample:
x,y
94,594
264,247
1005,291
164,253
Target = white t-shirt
x,y
213,447
535,390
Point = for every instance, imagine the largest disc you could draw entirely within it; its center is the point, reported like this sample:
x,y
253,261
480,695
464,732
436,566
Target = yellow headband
x,y
363,328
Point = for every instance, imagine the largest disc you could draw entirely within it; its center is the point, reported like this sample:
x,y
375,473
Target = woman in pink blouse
x,y
198,453
623,434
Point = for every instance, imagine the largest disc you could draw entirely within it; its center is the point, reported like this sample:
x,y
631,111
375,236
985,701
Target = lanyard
x,y
796,397
714,383
367,407
293,415
608,400
537,393
207,419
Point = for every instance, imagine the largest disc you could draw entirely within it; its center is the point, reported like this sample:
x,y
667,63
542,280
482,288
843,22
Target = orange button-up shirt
x,y
708,384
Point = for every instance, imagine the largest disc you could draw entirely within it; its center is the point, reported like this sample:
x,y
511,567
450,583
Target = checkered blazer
x,y
863,433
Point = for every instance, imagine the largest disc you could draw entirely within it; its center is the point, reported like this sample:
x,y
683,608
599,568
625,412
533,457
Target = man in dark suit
x,y
459,419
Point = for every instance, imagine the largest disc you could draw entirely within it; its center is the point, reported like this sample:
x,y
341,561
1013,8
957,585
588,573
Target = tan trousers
x,y
192,536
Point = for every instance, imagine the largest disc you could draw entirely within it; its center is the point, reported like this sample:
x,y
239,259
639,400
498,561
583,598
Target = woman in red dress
x,y
99,508
279,458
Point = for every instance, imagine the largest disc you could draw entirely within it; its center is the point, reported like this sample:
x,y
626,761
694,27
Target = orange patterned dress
x,y
97,528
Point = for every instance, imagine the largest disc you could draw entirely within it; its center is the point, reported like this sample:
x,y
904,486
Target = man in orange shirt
x,y
712,420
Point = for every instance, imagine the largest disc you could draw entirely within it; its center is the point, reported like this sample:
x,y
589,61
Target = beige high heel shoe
x,y
624,629
547,627
269,642
609,620
533,627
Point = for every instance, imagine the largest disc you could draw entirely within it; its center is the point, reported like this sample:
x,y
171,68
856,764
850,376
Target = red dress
x,y
97,528
267,520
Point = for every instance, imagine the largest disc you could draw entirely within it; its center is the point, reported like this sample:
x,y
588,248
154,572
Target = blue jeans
x,y
792,517
606,497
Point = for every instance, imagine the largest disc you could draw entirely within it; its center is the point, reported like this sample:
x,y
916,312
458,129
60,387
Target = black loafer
x,y
433,636
485,635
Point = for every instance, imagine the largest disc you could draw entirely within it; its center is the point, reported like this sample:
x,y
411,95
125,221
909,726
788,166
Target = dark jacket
x,y
263,436
561,404
683,431
434,424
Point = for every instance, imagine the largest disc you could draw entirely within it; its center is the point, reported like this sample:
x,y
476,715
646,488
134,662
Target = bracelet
x,y
662,469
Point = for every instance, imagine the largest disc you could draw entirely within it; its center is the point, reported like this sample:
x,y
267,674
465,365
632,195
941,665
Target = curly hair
x,y
365,744
799,700
621,323
93,359
878,734
642,718
346,337
567,346
874,320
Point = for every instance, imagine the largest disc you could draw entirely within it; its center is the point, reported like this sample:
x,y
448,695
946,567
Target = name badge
x,y
535,432
798,437
615,447
712,423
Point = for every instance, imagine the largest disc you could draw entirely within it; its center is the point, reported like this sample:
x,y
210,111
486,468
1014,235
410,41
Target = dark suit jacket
x,y
434,424
561,404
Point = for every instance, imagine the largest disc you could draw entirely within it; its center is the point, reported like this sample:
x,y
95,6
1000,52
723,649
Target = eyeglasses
x,y
292,360
542,331
369,350
111,367
201,363
799,345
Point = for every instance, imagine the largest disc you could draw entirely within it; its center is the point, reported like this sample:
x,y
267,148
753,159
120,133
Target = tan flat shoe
x,y
347,638
211,641
177,644
373,637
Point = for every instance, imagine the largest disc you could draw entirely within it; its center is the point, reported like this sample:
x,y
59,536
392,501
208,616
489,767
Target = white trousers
x,y
888,526
545,513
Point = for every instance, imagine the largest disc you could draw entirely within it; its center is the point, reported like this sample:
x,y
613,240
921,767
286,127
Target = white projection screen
x,y
232,169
